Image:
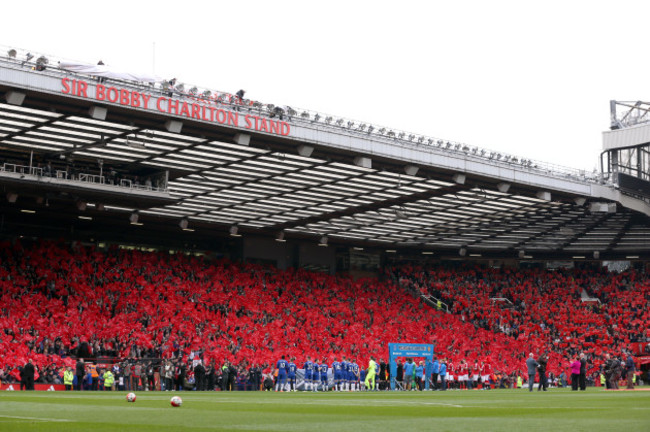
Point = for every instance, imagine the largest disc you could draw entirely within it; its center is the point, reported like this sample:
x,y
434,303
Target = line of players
x,y
346,375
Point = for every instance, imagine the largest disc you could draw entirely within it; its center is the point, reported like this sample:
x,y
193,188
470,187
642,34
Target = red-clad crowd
x,y
59,300
562,312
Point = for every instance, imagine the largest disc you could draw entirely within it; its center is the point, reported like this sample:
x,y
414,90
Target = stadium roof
x,y
220,176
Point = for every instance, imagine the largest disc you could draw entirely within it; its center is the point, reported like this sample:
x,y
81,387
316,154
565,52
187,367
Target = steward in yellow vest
x,y
109,380
68,378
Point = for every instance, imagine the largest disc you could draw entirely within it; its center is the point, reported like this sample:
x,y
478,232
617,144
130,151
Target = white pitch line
x,y
35,418
355,402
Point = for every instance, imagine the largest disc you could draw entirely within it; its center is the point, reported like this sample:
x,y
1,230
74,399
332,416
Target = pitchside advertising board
x,y
197,109
38,387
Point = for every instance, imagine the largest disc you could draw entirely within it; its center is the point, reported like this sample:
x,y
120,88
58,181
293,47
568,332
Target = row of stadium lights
x,y
448,145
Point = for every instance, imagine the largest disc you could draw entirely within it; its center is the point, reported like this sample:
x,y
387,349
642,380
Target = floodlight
x,y
382,131
133,218
323,241
234,231
370,129
280,237
350,124
328,119
401,135
12,53
304,115
183,223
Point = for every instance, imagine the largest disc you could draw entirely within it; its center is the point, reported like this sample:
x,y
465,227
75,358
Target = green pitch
x,y
500,410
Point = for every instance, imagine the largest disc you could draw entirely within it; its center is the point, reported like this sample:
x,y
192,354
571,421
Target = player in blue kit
x,y
354,368
315,378
282,374
344,374
350,376
336,369
291,374
323,376
309,373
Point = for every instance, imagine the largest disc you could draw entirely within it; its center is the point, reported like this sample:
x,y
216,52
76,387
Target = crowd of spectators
x,y
60,302
564,312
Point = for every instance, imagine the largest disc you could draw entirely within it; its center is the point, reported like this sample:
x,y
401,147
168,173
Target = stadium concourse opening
x,y
396,350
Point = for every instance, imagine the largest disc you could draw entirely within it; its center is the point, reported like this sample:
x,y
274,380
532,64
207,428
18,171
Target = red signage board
x,y
198,109
38,387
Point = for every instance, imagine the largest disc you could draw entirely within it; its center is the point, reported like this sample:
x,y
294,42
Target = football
x,y
130,397
176,401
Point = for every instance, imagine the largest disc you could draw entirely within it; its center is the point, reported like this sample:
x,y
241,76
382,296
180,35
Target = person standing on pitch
x,y
583,372
29,371
336,369
541,369
309,373
109,380
344,373
282,366
443,375
323,375
354,367
629,371
532,370
409,368
80,369
575,374
291,374
370,374
315,377
68,378
435,370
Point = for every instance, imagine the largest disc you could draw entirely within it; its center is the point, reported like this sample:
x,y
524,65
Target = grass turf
x,y
496,410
